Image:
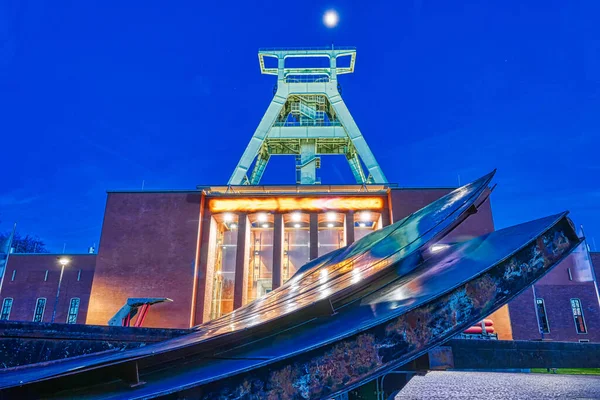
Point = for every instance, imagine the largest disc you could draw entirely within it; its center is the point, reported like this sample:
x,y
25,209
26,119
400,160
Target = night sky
x,y
97,96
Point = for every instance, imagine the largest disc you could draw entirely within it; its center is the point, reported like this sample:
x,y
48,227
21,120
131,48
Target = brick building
x,y
200,248
30,287
214,249
564,303
153,244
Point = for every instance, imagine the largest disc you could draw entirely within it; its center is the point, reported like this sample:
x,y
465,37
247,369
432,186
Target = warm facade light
x,y
288,204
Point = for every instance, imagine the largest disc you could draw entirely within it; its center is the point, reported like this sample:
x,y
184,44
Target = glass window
x,y
6,307
40,307
366,222
331,232
296,243
225,249
542,317
73,311
260,265
578,316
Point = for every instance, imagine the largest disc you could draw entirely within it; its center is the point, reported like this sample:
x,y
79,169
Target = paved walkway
x,y
500,386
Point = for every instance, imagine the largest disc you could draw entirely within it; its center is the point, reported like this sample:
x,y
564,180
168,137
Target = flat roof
x,y
284,189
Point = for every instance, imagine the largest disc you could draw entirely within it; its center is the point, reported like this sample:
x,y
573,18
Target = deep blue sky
x,y
102,95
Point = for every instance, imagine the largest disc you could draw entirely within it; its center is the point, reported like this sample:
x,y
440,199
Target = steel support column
x,y
314,235
349,227
240,292
277,250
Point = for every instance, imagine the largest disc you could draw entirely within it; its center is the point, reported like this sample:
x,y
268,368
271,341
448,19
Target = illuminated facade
x,y
211,260
213,249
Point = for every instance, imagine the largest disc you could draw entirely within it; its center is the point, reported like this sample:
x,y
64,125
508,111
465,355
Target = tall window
x,y
260,265
73,311
6,307
542,317
222,256
331,232
296,239
366,222
40,307
578,316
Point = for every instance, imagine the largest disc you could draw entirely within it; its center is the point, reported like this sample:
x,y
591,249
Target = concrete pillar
x,y
314,235
277,250
349,227
240,291
385,217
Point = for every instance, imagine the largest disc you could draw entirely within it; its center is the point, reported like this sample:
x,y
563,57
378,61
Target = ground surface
x,y
500,386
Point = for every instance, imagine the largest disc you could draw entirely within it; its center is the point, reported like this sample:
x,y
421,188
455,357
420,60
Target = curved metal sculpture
x,y
342,320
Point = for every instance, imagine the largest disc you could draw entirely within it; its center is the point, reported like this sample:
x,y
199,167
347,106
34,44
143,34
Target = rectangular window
x,y
73,311
542,316
578,316
46,276
40,307
6,307
14,275
79,276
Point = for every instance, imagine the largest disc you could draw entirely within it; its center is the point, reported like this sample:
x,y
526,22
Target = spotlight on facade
x,y
436,248
228,217
262,218
331,216
233,226
365,216
63,261
265,225
362,224
296,217
296,225
330,225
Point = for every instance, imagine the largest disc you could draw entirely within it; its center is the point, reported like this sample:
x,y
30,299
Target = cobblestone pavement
x,y
500,386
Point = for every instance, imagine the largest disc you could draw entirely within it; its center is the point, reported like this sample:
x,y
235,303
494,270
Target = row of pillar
x,y
242,255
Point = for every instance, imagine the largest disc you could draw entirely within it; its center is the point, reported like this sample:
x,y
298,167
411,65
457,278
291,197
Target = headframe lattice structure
x,y
307,118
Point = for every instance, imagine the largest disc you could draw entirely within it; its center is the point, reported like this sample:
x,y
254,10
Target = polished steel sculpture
x,y
340,321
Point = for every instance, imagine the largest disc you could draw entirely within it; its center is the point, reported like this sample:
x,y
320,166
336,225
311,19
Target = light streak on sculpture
x,y
288,204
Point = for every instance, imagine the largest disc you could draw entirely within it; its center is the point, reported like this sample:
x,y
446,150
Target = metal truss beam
x,y
307,117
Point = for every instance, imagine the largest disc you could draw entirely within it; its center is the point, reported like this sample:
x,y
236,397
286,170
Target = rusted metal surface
x,y
23,343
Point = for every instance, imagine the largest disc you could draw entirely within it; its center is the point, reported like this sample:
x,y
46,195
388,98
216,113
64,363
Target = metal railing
x,y
306,78
307,123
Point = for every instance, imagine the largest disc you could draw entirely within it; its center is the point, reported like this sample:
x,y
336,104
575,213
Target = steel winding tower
x,y
307,118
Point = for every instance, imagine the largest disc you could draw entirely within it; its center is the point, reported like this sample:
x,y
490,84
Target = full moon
x,y
331,18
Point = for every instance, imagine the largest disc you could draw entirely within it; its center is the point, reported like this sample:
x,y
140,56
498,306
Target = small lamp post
x,y
63,261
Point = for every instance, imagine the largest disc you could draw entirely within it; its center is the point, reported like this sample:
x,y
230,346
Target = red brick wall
x,y
406,201
29,285
557,290
558,308
147,249
596,263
